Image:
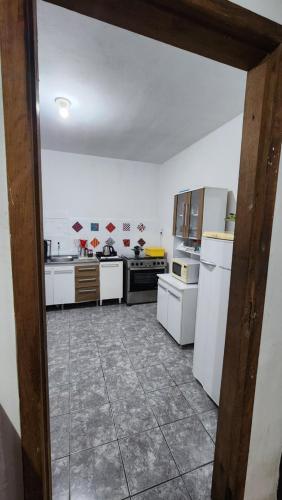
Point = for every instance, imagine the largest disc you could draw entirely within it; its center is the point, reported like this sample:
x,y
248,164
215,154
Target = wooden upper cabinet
x,y
181,215
196,214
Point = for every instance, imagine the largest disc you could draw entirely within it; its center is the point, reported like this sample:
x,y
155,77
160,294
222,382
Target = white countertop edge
x,y
175,283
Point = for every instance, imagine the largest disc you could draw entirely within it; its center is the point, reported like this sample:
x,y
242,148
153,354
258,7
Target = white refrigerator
x,y
212,309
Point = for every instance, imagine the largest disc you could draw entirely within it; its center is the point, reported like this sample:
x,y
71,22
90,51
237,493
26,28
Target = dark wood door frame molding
x,y
259,165
18,40
216,29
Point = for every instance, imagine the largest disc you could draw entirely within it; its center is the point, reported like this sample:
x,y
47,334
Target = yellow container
x,y
154,251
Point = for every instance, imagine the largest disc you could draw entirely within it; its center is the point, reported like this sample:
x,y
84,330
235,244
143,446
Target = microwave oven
x,y
186,270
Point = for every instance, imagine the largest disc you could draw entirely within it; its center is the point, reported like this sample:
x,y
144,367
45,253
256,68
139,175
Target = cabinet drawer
x,y
87,294
86,271
87,281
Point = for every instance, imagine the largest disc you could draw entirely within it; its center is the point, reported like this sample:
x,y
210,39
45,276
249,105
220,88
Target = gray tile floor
x,y
128,419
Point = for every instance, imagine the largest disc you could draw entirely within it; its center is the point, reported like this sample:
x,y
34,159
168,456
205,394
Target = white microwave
x,y
186,270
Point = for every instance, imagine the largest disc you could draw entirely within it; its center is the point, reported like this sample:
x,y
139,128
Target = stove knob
x,y
154,263
141,263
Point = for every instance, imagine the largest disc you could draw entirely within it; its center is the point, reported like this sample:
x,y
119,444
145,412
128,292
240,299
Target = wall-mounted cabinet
x,y
181,214
199,210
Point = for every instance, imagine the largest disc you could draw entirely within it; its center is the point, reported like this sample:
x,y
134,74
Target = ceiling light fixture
x,y
64,106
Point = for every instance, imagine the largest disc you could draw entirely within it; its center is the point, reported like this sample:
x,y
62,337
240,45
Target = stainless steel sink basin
x,y
62,258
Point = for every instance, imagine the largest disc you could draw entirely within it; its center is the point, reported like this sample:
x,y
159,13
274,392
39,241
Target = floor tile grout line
x,y
146,394
156,485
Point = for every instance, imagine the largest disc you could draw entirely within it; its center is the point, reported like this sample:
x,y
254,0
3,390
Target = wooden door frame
x,y
221,31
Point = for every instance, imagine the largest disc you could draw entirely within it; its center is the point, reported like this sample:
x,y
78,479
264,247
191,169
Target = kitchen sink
x,y
62,258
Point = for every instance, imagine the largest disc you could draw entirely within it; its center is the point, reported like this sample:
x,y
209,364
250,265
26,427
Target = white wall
x,y
266,436
213,161
89,189
10,450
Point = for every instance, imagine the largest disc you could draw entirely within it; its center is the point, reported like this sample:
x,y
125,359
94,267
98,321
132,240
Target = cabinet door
x,y
111,280
162,304
64,290
49,289
174,315
181,215
196,210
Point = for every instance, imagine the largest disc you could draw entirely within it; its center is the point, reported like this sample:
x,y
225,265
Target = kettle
x,y
108,250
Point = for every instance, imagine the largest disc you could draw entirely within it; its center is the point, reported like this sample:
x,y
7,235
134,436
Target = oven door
x,y
141,280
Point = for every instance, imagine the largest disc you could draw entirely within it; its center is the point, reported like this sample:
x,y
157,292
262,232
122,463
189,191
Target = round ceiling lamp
x,y
63,106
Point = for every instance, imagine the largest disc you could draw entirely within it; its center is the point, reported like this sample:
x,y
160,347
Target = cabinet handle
x,y
86,269
87,291
64,272
203,261
173,294
48,272
165,289
110,265
86,279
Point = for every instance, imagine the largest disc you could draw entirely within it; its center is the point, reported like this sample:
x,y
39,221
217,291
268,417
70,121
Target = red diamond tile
x,y
77,227
110,227
95,242
126,243
141,242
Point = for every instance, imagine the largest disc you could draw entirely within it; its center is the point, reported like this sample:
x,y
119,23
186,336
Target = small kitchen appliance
x,y
141,278
186,270
108,251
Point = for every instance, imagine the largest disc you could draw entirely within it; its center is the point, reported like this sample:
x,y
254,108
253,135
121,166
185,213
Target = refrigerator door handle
x,y
202,261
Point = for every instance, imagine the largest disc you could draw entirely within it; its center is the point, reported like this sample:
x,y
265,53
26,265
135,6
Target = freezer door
x,y
217,334
213,297
217,251
204,319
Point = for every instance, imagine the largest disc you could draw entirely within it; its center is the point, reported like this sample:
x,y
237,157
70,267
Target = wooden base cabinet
x,y
87,283
68,284
176,308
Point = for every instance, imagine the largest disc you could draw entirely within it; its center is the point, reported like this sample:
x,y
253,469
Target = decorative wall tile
x,y
126,226
110,241
141,242
141,227
126,243
95,242
77,227
110,227
94,226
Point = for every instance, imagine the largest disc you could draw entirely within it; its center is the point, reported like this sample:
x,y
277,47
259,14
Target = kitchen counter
x,y
75,262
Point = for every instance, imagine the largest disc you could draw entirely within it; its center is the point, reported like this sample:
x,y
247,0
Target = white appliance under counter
x,y
176,308
111,279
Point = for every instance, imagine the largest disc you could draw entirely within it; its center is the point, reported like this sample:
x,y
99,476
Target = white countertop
x,y
172,281
75,262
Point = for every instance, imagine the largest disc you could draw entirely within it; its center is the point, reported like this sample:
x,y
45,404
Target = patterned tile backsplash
x,y
122,234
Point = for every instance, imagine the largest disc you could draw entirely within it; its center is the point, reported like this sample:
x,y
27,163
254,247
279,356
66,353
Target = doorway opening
x,y
256,50
148,156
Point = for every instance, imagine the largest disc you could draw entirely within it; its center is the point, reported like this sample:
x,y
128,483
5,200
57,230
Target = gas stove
x,y
145,262
140,278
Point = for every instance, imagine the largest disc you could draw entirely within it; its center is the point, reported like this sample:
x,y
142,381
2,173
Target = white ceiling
x,y
132,97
